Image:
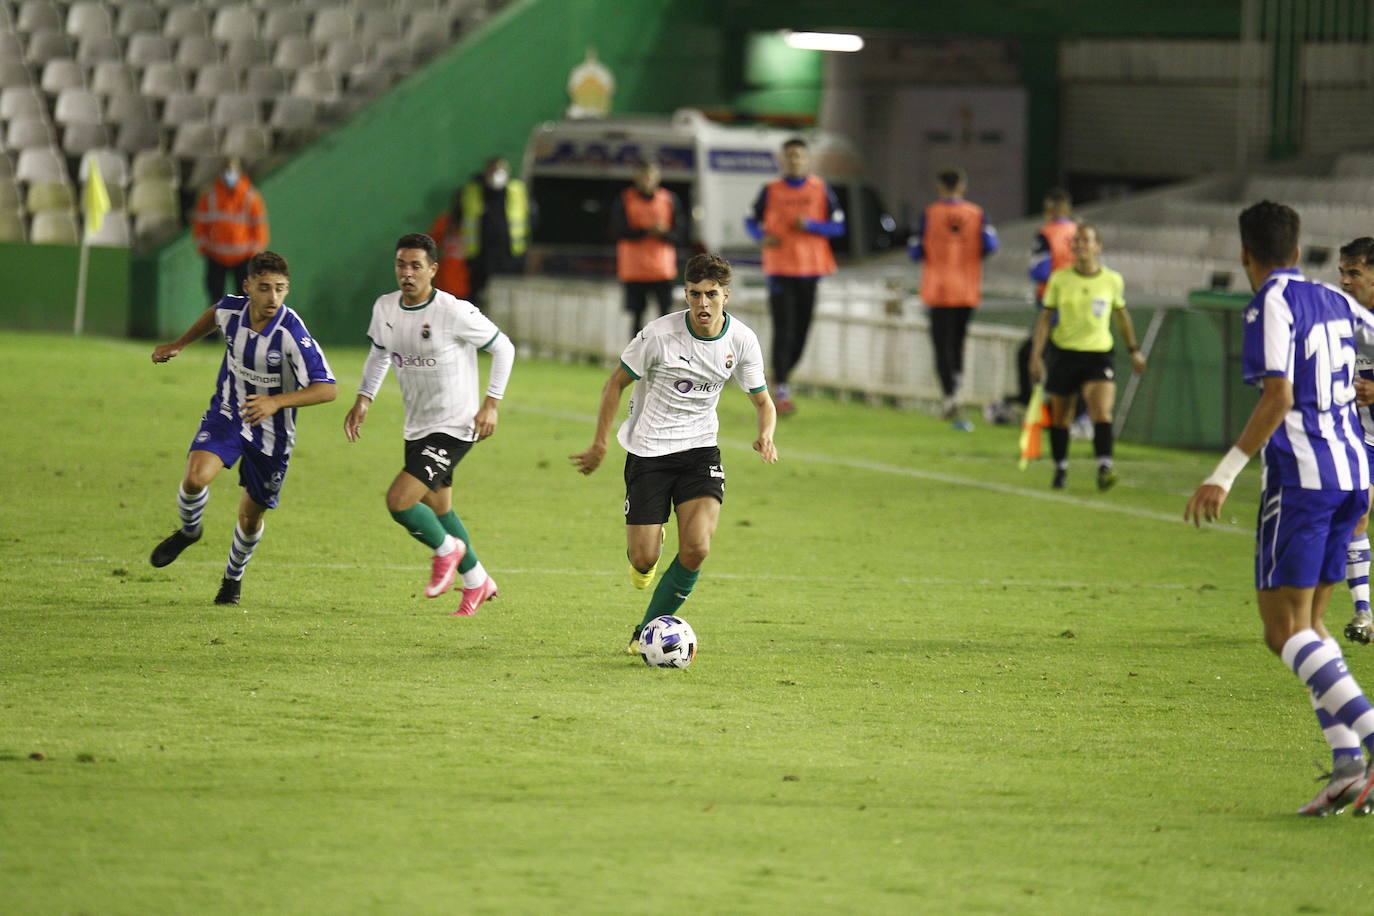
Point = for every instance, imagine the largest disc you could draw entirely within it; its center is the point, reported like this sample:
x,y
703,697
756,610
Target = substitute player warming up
x,y
432,339
681,362
271,366
1299,345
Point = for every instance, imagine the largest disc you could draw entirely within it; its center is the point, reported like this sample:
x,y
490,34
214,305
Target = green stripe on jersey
x,y
628,371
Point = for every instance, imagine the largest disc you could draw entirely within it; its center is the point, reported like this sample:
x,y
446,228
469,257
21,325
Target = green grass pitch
x,y
926,683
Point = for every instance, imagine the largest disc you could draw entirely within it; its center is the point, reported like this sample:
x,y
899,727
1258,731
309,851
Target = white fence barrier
x,y
868,338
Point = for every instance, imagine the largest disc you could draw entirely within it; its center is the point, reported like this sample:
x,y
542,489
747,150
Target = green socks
x,y
677,583
422,524
454,526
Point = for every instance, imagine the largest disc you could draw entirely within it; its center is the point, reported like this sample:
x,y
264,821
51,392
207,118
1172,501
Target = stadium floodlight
x,y
823,41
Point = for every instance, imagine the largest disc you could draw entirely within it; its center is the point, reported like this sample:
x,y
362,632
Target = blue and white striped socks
x,y
190,509
1319,664
1342,738
242,551
1357,572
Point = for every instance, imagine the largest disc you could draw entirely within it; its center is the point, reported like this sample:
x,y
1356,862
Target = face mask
x,y
231,177
498,179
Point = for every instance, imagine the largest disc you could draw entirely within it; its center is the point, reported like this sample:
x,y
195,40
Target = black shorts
x,y
431,460
1069,370
653,484
637,293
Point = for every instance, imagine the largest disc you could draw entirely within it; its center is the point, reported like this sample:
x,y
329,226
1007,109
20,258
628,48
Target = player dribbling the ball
x,y
681,361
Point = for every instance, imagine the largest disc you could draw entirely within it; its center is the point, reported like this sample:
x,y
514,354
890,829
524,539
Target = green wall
x,y
336,208
39,292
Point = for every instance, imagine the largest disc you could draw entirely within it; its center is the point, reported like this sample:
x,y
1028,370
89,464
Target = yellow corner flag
x,y
96,200
1030,427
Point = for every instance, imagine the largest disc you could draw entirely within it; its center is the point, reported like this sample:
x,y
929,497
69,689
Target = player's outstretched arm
x,y
590,460
258,407
200,328
1273,406
767,414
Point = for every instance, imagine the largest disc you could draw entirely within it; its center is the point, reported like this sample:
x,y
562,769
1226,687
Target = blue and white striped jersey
x,y
282,357
1307,332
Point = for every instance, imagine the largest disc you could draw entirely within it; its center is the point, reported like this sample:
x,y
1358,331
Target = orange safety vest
x,y
230,224
953,246
1058,235
802,253
452,277
647,259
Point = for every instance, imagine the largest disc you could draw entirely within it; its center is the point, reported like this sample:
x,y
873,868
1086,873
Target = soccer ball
x,y
668,642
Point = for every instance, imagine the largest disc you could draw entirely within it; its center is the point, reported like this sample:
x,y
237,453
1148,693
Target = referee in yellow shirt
x,y
1076,324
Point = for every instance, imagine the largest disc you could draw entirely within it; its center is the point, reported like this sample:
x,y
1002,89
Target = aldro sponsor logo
x,y
687,386
413,361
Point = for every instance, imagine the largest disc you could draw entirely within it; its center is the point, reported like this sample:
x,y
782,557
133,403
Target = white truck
x,y
574,169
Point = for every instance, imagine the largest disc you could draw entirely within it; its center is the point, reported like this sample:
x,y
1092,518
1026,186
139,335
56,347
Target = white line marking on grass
x,y
936,477
418,569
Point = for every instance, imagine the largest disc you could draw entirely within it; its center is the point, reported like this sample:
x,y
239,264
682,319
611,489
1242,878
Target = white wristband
x,y
1228,468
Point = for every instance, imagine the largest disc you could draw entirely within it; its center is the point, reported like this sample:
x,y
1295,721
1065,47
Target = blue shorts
x,y
260,475
1303,535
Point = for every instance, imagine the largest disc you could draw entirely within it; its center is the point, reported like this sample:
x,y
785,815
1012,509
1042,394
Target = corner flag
x,y
96,200
1030,427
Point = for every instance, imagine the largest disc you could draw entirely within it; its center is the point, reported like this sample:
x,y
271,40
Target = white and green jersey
x,y
433,348
680,376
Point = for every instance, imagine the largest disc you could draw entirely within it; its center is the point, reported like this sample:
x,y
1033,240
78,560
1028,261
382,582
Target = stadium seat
x,y
97,48
367,83
196,139
113,77
196,51
49,195
185,21
344,55
235,109
248,52
266,82
429,31
26,133
154,228
162,79
249,142
41,163
316,83
12,225
62,73
156,165
77,106
54,227
114,167
294,119
153,195
120,108
36,15
284,21
234,22
10,195
135,135
11,47
22,102
147,48
89,19
217,79
295,52
378,25
184,108
113,232
45,46
137,17
80,138
332,24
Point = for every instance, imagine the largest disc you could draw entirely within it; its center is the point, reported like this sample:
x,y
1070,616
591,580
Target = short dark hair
x,y
951,178
1269,231
795,141
1059,197
1362,248
268,262
708,267
420,240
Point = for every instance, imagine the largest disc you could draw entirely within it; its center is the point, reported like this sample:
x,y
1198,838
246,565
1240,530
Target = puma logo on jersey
x,y
686,359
